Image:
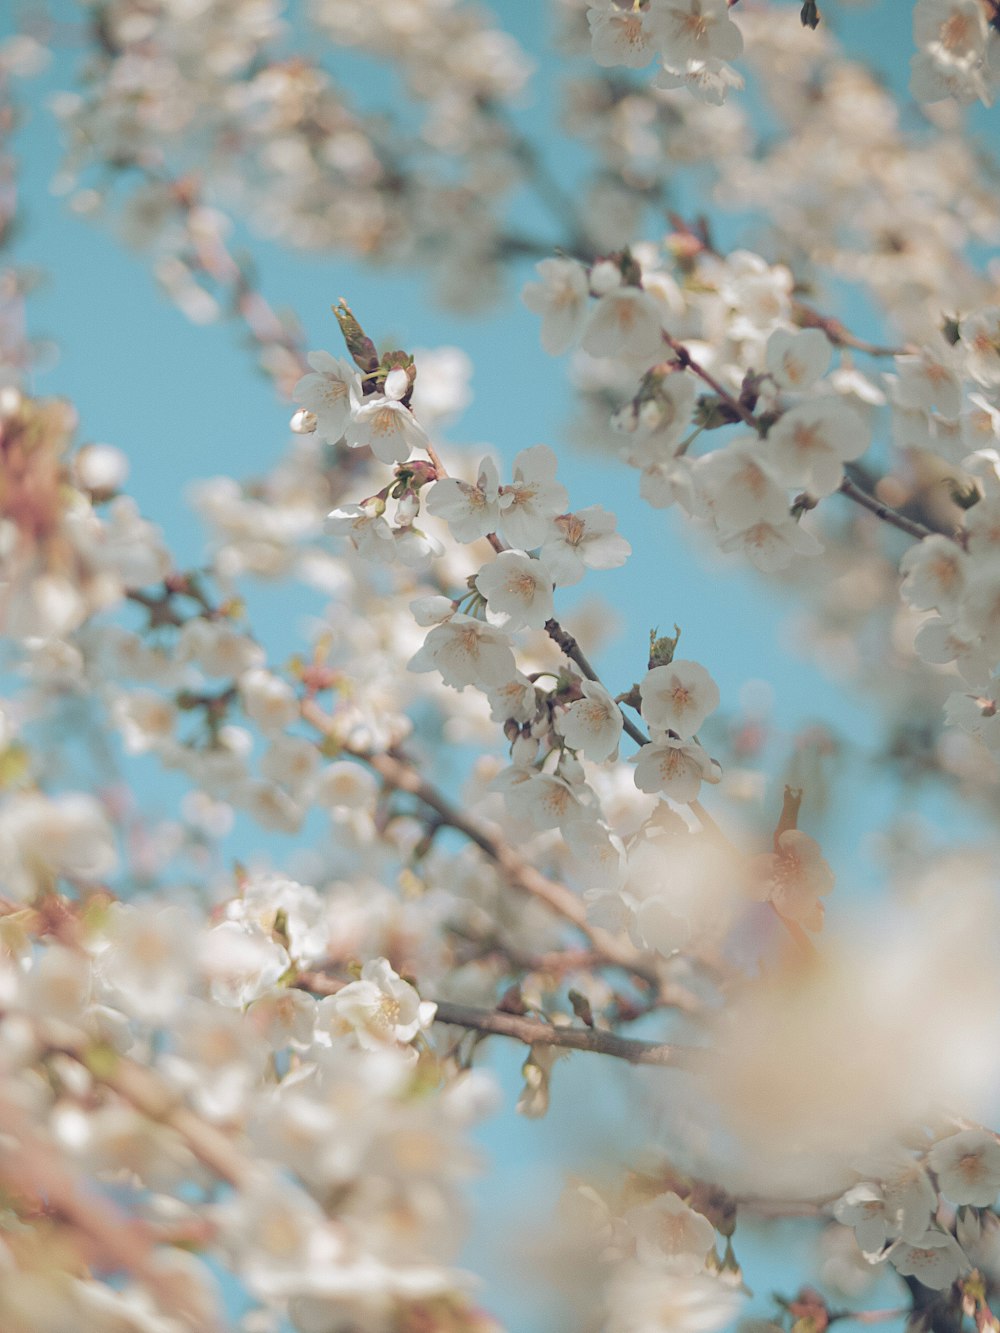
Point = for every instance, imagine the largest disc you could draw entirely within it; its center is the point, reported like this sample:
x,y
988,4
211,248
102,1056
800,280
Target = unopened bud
x,y
303,422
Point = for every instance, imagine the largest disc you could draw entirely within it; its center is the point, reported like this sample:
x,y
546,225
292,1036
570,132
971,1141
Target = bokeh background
x,y
186,402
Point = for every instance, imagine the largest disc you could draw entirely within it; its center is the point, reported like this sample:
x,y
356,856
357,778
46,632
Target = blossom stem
x,y
538,1032
687,361
885,512
398,772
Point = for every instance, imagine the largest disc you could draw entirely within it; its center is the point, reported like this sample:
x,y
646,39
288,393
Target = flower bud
x,y
303,422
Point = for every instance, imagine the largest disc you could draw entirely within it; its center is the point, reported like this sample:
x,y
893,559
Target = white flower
x,y
678,697
290,760
561,300
217,648
797,360
385,426
624,323
240,962
268,700
515,698
470,511
43,838
327,393
345,785
366,526
466,651
933,575
980,427
145,958
772,545
397,384
708,80
620,36
653,429
670,1234
793,878
592,724
738,487
908,1195
957,26
935,1260
541,800
269,805
695,30
674,768
642,1299
929,379
863,1208
809,444
938,643
980,335
967,1166
518,591
534,498
145,719
584,540
381,1009
979,608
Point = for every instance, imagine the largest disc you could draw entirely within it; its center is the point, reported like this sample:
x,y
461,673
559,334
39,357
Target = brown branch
x,y
537,1032
687,361
146,1092
885,512
808,318
398,772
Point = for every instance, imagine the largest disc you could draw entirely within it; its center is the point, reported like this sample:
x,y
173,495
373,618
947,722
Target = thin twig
x,y
686,360
537,1032
883,511
398,772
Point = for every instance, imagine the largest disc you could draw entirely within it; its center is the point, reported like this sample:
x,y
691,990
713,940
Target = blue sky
x,y
185,403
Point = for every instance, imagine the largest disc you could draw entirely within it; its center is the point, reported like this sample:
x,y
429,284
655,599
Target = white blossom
x,y
624,323
534,498
592,724
674,768
580,541
809,444
380,1008
678,697
518,591
967,1165
385,426
326,393
470,511
560,297
466,651
797,360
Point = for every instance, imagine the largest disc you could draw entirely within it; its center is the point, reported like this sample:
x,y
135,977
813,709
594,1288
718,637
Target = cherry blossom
x,y
674,768
967,1166
379,1008
810,443
518,591
560,297
533,499
470,511
326,393
581,541
678,697
466,651
593,723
